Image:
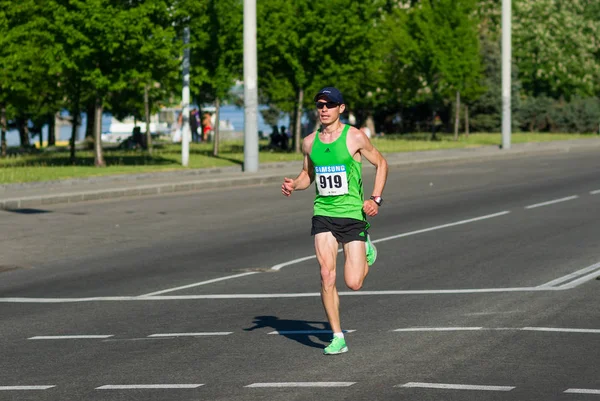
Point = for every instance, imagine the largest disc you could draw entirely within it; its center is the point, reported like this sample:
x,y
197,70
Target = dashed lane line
x,y
301,384
562,330
407,234
552,202
183,287
147,386
216,333
302,332
582,391
596,192
70,337
25,388
421,329
446,386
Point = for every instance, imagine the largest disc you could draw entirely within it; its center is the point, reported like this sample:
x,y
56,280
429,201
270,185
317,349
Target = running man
x,y
332,158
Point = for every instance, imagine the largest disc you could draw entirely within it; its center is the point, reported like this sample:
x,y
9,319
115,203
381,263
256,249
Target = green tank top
x,y
338,179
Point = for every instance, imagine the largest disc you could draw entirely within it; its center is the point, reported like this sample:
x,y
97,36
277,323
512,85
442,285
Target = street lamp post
x,y
185,99
250,89
506,72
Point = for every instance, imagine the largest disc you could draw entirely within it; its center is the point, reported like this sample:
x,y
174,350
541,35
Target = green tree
x,y
298,54
217,54
445,54
555,43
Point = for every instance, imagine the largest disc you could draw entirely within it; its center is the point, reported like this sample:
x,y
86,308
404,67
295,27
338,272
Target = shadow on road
x,y
297,330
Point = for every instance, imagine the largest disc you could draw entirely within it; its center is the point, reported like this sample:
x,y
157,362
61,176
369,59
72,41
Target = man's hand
x,y
288,186
370,207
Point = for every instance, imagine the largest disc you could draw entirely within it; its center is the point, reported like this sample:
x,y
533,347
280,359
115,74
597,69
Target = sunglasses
x,y
330,105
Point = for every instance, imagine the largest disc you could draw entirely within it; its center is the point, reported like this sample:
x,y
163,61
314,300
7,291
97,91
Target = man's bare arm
x,y
306,176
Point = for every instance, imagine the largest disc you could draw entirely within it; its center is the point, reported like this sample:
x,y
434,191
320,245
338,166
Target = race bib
x,y
331,180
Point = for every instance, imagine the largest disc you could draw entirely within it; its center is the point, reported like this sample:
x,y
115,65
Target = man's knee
x,y
328,276
354,284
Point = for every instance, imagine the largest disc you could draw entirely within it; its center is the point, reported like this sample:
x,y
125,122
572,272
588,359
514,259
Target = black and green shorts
x,y
343,229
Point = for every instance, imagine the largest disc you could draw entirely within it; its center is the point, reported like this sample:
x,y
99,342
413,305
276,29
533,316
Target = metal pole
x,y
506,73
250,88
185,99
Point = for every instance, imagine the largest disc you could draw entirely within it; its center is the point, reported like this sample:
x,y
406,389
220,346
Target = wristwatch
x,y
377,199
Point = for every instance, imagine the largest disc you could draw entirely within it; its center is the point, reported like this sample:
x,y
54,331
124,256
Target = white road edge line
x,y
582,391
216,333
456,223
302,384
543,329
289,332
72,337
271,296
183,287
147,386
24,388
568,198
455,386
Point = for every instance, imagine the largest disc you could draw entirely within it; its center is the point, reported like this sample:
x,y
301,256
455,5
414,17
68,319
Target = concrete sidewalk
x,y
31,195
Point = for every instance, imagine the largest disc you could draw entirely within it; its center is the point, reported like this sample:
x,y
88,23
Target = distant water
x,y
231,113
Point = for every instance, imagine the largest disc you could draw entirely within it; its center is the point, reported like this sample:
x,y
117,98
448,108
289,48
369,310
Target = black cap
x,y
331,94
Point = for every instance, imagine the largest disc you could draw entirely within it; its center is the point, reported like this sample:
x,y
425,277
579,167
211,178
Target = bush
x,y
548,115
579,115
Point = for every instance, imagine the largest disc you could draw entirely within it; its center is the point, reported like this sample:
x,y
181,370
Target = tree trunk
x,y
457,116
90,109
23,131
298,120
370,122
217,127
74,125
3,129
52,130
467,120
147,116
98,157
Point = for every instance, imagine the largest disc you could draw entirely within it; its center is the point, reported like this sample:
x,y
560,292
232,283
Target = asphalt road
x,y
485,289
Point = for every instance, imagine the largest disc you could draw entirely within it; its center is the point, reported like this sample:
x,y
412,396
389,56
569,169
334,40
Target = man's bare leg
x,y
326,247
355,267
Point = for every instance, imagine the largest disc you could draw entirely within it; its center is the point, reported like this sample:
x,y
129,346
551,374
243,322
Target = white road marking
x,y
72,337
197,284
455,386
439,329
147,386
288,332
582,391
552,202
24,388
216,333
562,330
270,296
457,223
302,384
596,192
546,329
567,279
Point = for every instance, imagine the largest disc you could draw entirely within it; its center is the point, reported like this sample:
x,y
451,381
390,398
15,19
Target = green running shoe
x,y
337,346
371,251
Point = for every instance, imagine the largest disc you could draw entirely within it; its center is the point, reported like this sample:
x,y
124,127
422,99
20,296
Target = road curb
x,y
269,174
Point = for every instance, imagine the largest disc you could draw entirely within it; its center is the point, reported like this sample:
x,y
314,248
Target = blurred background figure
x,y
206,126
